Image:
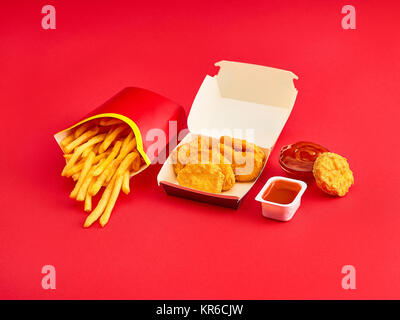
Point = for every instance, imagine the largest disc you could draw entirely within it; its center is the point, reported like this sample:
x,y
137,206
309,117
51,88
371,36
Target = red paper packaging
x,y
142,110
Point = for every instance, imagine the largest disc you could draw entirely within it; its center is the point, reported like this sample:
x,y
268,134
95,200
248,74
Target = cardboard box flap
x,y
244,101
258,84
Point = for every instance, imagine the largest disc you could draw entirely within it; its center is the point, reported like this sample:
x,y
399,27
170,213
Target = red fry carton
x,y
142,110
241,98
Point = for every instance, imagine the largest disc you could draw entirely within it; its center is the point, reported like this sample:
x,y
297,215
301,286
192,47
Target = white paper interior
x,y
258,84
213,115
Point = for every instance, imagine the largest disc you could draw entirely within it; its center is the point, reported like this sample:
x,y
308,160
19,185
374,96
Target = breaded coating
x,y
227,170
237,159
332,174
247,166
206,177
247,158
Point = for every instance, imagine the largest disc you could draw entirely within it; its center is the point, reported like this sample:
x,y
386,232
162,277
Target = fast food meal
x,y
100,153
332,174
213,165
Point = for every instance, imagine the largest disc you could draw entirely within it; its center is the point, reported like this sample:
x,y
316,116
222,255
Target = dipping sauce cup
x,y
280,197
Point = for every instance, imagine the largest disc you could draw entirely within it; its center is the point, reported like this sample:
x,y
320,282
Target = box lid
x,y
245,101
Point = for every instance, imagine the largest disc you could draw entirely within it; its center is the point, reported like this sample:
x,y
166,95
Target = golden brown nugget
x,y
226,168
229,176
204,150
199,150
247,166
182,155
203,143
332,174
247,158
206,177
237,144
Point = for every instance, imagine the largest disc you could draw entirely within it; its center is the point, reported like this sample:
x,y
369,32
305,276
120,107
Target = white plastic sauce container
x,y
280,197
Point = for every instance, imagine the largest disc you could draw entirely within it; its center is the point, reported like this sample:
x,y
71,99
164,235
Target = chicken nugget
x,y
206,177
196,151
247,158
229,176
238,144
247,165
204,143
332,174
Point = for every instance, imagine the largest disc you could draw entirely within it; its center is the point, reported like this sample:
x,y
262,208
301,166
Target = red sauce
x,y
281,191
298,158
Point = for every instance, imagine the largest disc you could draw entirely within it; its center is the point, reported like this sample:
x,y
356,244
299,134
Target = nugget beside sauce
x,y
332,174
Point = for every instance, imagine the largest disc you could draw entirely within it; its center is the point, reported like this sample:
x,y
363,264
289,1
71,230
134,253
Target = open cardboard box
x,y
244,101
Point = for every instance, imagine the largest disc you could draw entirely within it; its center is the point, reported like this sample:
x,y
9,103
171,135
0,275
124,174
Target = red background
x,y
160,247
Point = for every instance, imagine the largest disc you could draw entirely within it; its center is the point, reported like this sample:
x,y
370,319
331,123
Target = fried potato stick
x,y
77,153
67,156
88,203
127,147
111,202
84,172
111,136
109,159
119,176
96,213
85,185
125,164
87,150
110,122
136,163
125,182
81,139
81,129
78,167
67,140
100,181
95,149
109,172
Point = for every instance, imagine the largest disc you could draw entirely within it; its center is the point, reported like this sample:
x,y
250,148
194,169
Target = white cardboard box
x,y
244,101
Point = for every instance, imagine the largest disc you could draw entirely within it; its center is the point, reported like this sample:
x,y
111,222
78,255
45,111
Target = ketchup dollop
x,y
297,159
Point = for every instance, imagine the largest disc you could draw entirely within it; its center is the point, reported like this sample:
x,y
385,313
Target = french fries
x,y
125,183
100,153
